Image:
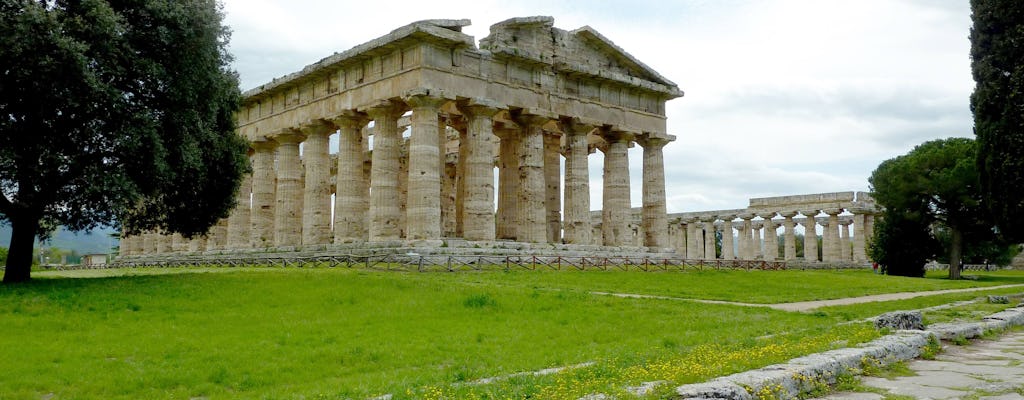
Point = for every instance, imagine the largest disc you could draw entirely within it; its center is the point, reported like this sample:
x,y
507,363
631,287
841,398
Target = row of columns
x,y
695,238
289,205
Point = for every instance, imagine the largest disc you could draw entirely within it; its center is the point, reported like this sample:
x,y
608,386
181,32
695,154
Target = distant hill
x,y
94,241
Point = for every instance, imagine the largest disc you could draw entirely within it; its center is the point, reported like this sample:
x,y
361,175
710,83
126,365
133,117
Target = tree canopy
x,y
115,113
931,192
997,54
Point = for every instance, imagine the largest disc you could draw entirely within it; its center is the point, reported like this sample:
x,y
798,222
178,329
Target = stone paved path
x,y
983,370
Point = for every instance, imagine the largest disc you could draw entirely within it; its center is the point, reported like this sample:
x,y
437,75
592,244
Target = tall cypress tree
x,y
114,112
997,54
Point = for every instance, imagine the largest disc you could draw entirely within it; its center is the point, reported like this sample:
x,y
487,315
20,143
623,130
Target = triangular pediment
x,y
600,52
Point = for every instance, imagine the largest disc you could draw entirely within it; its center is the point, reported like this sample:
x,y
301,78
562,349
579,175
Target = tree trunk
x,y
19,256
955,251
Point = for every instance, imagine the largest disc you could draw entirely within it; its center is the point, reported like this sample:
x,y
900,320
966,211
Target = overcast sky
x,y
782,97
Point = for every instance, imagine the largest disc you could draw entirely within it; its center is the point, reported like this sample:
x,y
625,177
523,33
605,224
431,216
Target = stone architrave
x,y
789,235
350,201
385,210
616,207
238,221
810,236
508,180
654,215
288,206
771,239
859,242
532,215
478,206
264,193
423,202
709,238
728,246
316,212
553,185
577,182
830,238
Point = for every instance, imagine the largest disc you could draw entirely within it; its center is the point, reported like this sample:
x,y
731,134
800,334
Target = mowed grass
x,y
337,333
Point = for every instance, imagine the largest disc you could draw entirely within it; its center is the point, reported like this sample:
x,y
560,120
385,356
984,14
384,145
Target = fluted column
x,y
316,194
238,221
350,202
460,173
577,182
859,237
264,189
288,205
616,207
728,247
478,207
385,211
810,236
654,215
532,215
423,207
831,252
869,229
771,239
709,238
789,235
508,180
692,244
746,247
844,240
553,185
755,240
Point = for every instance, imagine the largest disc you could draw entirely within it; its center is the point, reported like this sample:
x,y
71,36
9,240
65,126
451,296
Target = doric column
x,y
423,207
869,230
771,239
264,189
844,240
448,182
789,235
755,240
403,182
728,247
197,244
577,182
859,236
385,212
553,185
532,215
350,202
616,207
709,238
179,244
830,239
810,236
478,207
316,195
460,173
218,237
654,214
746,246
238,222
288,207
693,245
163,243
508,180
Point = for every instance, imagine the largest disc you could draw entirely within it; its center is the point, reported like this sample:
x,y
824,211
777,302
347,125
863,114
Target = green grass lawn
x,y
339,333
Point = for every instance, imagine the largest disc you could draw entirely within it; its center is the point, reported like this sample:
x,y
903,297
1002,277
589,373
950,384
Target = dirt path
x,y
810,305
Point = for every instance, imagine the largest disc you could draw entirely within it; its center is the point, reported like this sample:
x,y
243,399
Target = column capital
x,y
708,219
505,130
833,211
317,127
425,98
727,217
573,126
264,144
746,216
809,213
479,108
385,109
289,135
351,119
653,142
788,214
613,135
532,118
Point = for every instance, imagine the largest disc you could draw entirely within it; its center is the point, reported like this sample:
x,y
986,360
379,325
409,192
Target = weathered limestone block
x,y
508,180
532,220
288,204
316,212
238,221
553,186
264,193
218,235
350,200
385,211
423,201
478,207
898,320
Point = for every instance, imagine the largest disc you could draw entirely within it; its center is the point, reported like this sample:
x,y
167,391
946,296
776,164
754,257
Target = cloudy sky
x,y
782,96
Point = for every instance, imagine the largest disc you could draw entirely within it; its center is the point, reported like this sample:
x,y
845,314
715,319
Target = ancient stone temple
x,y
426,121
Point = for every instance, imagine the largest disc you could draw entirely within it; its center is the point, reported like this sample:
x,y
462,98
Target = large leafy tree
x,y
116,112
933,188
997,54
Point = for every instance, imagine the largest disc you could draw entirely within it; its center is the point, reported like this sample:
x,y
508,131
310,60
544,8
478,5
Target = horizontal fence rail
x,y
456,263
